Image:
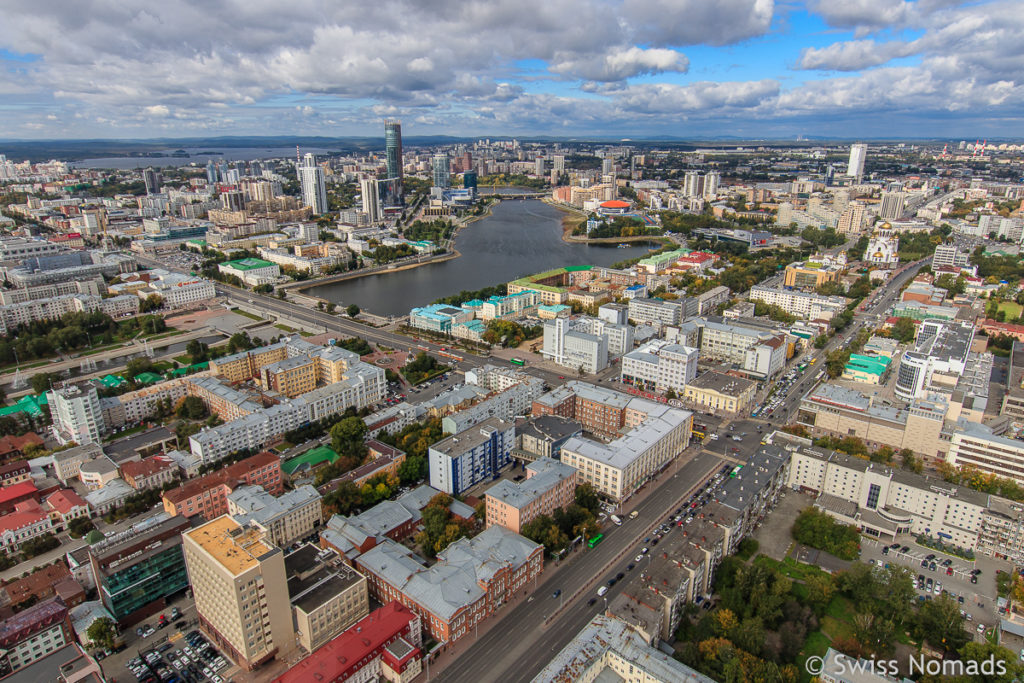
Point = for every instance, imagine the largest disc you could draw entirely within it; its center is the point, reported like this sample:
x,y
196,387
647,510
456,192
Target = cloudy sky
x,y
755,68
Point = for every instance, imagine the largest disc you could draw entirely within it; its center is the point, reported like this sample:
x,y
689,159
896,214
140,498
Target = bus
x,y
517,361
595,540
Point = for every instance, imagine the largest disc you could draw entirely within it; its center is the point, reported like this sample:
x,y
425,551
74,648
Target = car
x,y
871,561
619,576
949,571
960,599
931,567
904,549
602,590
924,563
638,558
164,648
974,579
947,563
561,377
629,567
611,582
643,551
592,601
976,572
981,628
930,557
556,593
885,550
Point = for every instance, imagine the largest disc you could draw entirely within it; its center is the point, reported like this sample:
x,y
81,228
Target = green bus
x,y
595,540
517,361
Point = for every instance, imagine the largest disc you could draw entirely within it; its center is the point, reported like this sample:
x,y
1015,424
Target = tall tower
x,y
211,172
152,180
371,199
393,146
314,190
858,153
442,172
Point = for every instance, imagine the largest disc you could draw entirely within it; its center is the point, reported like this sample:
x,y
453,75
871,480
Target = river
x,y
519,238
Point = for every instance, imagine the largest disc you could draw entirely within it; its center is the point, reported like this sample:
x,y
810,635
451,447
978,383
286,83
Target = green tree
x,y
903,330
42,381
192,407
347,437
352,310
102,632
983,652
151,303
820,341
586,498
939,622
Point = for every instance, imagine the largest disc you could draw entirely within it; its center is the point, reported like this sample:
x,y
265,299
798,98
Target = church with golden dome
x,y
883,247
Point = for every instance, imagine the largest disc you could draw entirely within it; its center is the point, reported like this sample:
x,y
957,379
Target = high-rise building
x,y
558,162
393,147
152,180
442,174
371,199
314,191
77,415
469,179
711,182
892,205
692,184
607,166
858,153
538,166
830,176
211,172
467,161
241,591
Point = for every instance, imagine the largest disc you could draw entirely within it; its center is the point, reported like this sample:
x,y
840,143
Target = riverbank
x,y
575,217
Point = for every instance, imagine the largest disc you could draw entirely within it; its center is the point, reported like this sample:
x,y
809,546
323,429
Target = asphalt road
x,y
520,646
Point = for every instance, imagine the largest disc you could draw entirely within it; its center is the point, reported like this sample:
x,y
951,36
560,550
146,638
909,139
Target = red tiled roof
x,y
15,466
65,500
39,583
350,647
146,467
23,516
9,493
9,444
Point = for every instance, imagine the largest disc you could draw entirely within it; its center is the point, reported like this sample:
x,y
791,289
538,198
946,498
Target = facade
x,y
137,570
240,588
549,485
574,348
207,495
68,463
659,366
251,271
855,166
471,579
472,456
655,311
149,473
544,435
942,348
34,633
314,191
28,520
803,304
811,274
438,317
393,148
720,393
385,644
285,519
975,445
76,414
327,595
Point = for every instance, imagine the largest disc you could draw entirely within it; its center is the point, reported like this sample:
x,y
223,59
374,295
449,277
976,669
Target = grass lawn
x,y
836,628
841,609
251,316
817,644
1011,309
789,567
184,359
127,432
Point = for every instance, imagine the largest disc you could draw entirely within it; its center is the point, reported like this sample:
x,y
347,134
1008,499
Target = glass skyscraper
x,y
393,145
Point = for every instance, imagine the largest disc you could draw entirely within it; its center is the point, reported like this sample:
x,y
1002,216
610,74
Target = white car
x,y
638,558
981,628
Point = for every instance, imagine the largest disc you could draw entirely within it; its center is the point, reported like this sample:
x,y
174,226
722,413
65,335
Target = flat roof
x,y
235,547
247,264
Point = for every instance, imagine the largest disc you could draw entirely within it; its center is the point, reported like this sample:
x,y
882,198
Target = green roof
x,y
309,460
112,381
26,404
94,537
181,372
201,243
576,269
247,264
148,378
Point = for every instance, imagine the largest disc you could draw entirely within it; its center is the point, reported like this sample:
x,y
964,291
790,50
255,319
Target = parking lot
x,y
977,600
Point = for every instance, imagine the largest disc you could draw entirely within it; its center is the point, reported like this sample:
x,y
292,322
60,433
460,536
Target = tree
x,y
347,437
939,622
80,526
192,407
413,470
352,310
903,330
42,382
331,307
820,341
102,632
586,498
985,652
197,351
151,303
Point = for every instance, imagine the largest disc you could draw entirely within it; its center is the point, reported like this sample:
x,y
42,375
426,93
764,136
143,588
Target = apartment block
x,y
207,495
976,445
549,485
472,456
807,305
149,473
720,393
504,405
659,366
222,400
291,377
471,579
76,414
655,311
283,519
239,583
327,595
141,403
137,570
34,633
574,348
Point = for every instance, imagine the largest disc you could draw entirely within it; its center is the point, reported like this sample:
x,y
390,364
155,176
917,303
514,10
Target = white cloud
x,y
621,64
854,55
157,111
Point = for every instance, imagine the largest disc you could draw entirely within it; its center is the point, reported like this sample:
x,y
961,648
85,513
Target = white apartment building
x,y
975,445
655,311
884,501
948,255
807,305
141,403
284,519
617,469
76,414
660,366
574,349
181,293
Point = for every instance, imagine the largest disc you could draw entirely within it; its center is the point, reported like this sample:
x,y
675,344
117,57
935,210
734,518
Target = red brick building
x,y
207,495
37,586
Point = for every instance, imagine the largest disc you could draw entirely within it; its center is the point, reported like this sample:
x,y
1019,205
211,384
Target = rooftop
x,y
235,547
247,264
723,383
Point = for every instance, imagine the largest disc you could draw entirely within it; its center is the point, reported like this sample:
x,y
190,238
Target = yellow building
x,y
720,392
291,377
810,274
240,587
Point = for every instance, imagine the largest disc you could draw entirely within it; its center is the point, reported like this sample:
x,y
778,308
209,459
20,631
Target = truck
x,y
633,514
615,519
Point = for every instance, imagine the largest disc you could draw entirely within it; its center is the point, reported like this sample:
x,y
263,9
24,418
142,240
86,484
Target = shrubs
x,y
819,530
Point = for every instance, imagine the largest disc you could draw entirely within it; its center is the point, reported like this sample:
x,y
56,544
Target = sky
x,y
767,69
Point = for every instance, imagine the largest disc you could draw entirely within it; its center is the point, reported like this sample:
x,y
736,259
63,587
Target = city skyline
x,y
753,68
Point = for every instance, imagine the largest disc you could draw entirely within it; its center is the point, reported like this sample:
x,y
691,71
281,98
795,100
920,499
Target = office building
x,y
577,343
719,393
252,271
327,595
949,255
283,519
659,366
858,154
393,148
472,578
655,311
543,436
472,456
68,463
207,496
941,351
549,485
893,204
441,171
152,181
135,571
314,190
977,446
371,200
77,415
759,352
239,584
811,274
385,644
806,305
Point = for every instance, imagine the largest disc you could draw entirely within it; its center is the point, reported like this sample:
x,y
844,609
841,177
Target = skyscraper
x,y
442,174
711,181
893,204
858,153
469,179
314,191
371,199
693,184
152,180
393,147
607,165
538,166
211,172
